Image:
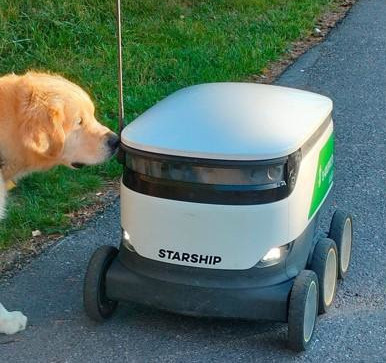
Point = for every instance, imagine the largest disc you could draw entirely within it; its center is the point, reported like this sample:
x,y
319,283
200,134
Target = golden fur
x,y
45,120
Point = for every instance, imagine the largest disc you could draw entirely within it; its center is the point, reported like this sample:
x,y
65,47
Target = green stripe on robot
x,y
324,175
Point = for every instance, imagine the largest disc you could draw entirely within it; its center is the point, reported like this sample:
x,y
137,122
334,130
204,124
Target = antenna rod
x,y
121,114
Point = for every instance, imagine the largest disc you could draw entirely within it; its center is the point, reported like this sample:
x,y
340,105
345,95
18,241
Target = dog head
x,y
56,124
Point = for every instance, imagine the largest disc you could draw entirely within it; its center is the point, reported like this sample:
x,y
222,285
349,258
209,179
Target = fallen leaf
x,y
36,233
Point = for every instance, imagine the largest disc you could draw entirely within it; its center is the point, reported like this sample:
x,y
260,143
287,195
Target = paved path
x,y
350,67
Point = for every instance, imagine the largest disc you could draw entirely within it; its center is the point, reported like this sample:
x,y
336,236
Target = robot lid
x,y
229,121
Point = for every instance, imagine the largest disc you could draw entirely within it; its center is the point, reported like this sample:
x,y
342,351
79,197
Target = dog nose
x,y
112,141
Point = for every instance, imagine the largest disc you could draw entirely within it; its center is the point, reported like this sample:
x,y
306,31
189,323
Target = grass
x,y
168,44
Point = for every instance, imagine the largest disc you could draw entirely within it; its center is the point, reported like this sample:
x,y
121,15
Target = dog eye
x,y
80,121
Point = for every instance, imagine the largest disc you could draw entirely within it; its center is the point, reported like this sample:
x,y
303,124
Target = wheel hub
x,y
346,245
310,311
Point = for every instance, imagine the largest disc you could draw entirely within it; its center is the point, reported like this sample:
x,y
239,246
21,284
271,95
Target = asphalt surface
x,y
349,67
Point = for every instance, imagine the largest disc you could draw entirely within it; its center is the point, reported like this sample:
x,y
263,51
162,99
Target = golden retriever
x,y
45,121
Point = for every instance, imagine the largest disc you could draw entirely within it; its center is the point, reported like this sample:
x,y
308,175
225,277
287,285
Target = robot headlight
x,y
126,241
274,255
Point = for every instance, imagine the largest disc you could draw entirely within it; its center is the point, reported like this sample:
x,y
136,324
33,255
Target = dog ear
x,y
43,129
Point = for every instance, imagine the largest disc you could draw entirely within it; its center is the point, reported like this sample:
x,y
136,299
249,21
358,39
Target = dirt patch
x,y
323,26
18,255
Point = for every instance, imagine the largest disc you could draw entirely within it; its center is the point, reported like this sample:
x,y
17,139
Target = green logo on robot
x,y
324,175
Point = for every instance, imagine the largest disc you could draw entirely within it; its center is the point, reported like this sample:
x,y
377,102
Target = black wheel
x,y
303,310
325,264
341,231
96,304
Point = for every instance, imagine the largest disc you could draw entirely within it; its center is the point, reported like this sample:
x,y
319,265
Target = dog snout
x,y
112,141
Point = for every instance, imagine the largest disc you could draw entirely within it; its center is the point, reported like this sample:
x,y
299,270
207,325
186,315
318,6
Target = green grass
x,y
168,44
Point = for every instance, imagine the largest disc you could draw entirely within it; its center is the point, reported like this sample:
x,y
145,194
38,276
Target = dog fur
x,y
45,121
